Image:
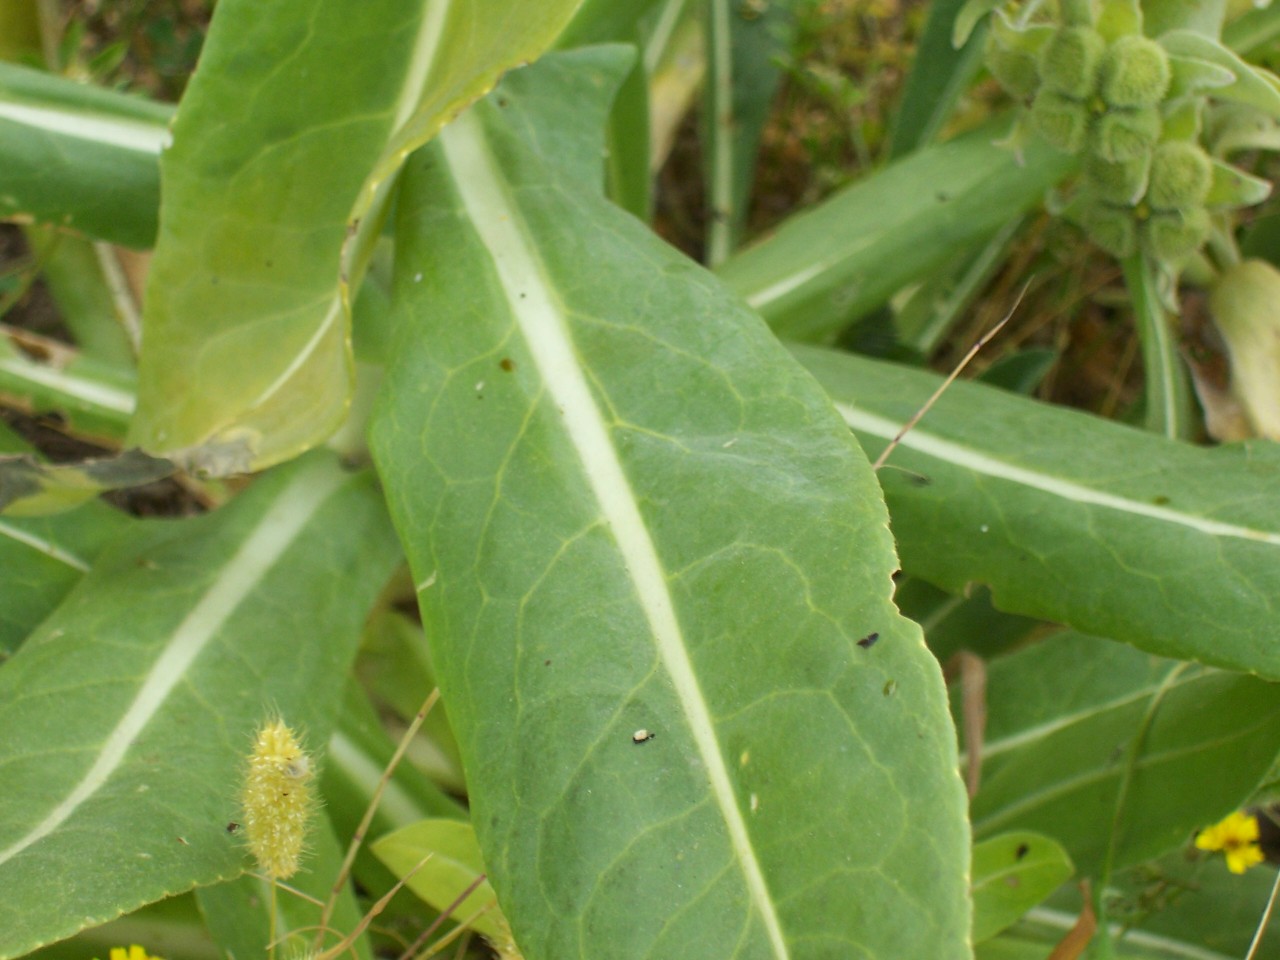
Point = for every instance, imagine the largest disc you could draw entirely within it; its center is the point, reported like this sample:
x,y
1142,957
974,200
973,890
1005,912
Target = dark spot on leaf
x,y
1021,852
507,364
1013,880
890,685
546,663
1160,500
183,841
919,480
869,640
943,197
232,827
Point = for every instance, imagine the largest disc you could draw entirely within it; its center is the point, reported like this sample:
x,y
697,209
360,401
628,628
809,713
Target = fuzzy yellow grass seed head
x,y
277,799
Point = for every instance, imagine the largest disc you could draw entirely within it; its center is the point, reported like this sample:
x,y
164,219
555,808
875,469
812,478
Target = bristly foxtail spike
x,y
277,799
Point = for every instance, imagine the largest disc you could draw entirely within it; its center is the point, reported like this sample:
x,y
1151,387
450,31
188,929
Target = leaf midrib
x,y
532,300
979,462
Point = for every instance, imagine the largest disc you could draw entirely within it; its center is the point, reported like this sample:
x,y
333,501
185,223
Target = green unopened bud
x,y
1243,304
1181,174
1120,183
1111,228
1061,121
1014,70
1069,61
1134,73
1121,135
1175,235
1076,13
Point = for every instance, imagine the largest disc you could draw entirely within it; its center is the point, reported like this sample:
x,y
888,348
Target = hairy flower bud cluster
x,y
1155,203
1086,95
1132,108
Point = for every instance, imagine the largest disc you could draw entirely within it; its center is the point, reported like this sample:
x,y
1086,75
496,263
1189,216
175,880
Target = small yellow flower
x,y
135,952
277,800
1237,837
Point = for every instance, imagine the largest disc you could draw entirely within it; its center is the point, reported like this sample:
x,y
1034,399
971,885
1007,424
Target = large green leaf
x,y
76,156
1099,745
1114,531
1174,908
126,720
837,261
282,147
629,512
1173,897
44,557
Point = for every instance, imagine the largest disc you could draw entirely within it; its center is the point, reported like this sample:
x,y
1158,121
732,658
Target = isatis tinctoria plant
x,y
383,304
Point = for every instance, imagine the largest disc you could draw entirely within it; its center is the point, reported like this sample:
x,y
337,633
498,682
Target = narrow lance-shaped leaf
x,y
1136,753
656,575
125,723
1114,531
940,74
80,157
294,121
95,399
43,558
743,46
837,261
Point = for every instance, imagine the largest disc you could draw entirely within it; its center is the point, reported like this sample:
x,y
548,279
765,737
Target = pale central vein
x,y
45,546
979,462
97,394
534,305
277,529
127,134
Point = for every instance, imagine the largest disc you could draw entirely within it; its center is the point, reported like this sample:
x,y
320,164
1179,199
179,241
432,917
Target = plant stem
x,y
1167,394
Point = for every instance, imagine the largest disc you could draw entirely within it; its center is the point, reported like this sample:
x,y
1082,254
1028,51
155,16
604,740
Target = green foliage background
x,y
616,504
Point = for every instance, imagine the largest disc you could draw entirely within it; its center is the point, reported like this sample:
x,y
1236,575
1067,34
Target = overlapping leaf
x,y
126,716
80,157
43,558
285,138
1118,755
842,258
630,513
1114,531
